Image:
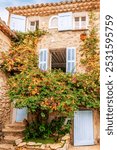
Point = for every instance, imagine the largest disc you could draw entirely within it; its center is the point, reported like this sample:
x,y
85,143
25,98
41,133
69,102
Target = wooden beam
x,y
9,19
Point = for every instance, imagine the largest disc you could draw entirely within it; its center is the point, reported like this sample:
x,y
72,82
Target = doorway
x,y
83,128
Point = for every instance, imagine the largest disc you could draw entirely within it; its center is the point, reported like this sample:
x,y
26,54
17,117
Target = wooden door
x,y
83,128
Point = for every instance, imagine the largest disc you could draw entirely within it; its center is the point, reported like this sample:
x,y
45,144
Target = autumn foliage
x,y
52,91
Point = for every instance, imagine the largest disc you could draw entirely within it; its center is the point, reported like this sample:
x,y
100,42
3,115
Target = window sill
x,y
73,30
80,29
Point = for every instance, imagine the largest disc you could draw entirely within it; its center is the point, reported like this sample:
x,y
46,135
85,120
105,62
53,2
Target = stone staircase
x,y
11,132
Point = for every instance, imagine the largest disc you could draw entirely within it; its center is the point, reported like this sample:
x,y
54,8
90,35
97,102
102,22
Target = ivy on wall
x,y
51,91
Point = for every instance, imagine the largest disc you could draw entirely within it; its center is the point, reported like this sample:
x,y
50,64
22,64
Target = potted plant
x,y
83,36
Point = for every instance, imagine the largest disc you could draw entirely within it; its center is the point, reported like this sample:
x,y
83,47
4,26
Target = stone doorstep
x,y
7,129
10,139
15,126
13,132
6,147
40,146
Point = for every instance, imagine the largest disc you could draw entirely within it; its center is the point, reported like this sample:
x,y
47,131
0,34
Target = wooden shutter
x,y
71,60
65,21
18,23
43,59
83,128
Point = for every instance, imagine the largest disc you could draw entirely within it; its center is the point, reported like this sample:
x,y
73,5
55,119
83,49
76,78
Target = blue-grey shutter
x,y
65,21
71,60
83,128
18,23
43,59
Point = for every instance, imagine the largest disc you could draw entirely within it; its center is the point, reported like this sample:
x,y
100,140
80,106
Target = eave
x,y
55,8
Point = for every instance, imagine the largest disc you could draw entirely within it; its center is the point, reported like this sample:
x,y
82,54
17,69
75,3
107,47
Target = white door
x,y
21,114
83,128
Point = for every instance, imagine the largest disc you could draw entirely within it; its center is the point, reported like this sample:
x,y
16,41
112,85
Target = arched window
x,y
53,22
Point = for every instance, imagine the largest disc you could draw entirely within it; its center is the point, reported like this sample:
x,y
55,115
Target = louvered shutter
x,y
43,59
83,128
71,60
65,21
18,23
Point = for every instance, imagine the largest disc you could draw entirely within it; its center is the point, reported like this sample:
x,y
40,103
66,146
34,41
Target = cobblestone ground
x,y
96,147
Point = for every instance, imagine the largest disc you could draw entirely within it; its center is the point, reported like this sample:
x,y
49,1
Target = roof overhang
x,y
45,9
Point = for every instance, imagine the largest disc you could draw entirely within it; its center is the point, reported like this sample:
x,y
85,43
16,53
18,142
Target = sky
x,y
9,3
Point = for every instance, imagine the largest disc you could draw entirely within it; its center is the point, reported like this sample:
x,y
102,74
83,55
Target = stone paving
x,y
94,147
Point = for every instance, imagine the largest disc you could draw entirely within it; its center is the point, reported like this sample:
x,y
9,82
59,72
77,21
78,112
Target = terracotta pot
x,y
83,36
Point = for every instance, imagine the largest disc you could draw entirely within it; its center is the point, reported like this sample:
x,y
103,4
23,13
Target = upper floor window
x,y
70,21
34,25
81,21
53,22
65,21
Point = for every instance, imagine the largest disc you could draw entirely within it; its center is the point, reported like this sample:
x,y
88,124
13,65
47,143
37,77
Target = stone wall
x,y
4,100
4,42
55,39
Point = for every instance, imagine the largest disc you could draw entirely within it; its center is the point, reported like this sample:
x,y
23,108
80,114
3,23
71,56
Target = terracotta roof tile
x,y
6,30
42,9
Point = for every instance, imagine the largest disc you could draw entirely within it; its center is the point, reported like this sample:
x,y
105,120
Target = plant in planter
x,y
83,36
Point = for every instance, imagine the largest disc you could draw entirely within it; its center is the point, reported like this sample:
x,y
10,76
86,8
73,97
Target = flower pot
x,y
83,36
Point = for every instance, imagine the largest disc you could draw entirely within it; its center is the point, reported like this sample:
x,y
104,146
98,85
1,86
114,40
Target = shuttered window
x,y
81,20
83,128
43,59
65,21
71,60
34,25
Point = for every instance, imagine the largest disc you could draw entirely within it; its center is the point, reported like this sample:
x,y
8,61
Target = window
x,y
58,59
34,25
64,59
65,21
81,21
53,22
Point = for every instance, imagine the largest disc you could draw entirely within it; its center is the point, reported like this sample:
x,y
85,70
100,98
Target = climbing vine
x,y
51,91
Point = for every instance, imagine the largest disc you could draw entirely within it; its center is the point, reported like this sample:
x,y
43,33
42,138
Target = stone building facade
x,y
5,41
64,22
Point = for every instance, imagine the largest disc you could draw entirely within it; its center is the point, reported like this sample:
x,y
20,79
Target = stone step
x,y
6,147
9,130
12,132
16,126
10,139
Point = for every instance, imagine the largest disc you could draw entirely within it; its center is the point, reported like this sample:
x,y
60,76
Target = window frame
x,y
50,22
34,24
80,15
